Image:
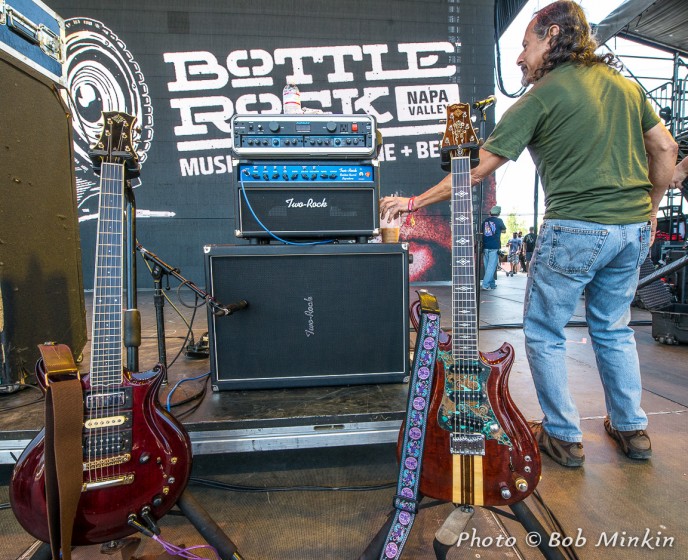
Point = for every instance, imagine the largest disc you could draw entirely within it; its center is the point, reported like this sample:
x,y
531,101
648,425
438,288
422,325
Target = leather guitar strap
x,y
64,419
406,499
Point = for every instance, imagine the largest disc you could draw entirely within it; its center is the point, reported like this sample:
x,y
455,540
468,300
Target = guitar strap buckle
x,y
405,504
58,363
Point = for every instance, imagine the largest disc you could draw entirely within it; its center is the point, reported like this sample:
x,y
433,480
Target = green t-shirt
x,y
583,126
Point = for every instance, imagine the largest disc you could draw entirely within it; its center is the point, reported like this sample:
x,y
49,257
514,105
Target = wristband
x,y
410,204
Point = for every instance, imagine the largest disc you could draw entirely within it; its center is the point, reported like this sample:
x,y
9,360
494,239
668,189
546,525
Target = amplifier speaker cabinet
x,y
313,212
40,256
317,315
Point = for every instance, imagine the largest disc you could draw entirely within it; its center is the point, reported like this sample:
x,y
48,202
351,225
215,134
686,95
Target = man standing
x,y
514,249
493,227
529,247
605,161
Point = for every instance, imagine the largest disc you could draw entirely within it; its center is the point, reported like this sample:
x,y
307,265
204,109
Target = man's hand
x,y
392,207
653,223
680,174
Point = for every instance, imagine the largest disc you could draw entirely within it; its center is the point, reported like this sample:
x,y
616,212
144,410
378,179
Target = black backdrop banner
x,y
185,68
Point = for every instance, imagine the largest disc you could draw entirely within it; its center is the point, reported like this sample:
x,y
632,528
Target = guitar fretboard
x,y
464,308
106,334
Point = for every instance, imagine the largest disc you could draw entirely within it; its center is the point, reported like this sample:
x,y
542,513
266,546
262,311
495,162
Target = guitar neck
x,y
106,345
464,306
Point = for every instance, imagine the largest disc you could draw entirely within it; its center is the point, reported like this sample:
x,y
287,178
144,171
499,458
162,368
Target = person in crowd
x,y
492,229
528,247
514,245
605,160
521,253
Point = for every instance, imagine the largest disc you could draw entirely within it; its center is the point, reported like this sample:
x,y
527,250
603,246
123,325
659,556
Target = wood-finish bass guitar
x,y
478,448
136,457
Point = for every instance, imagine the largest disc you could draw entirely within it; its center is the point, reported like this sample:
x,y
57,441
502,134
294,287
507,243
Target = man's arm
x,y
392,205
661,154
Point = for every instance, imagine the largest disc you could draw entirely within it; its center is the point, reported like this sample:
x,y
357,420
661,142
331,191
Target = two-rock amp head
x,y
304,136
306,176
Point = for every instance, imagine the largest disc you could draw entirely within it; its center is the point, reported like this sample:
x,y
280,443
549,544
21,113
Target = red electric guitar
x,y
478,448
136,457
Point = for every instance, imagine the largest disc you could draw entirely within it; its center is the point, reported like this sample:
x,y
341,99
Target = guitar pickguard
x,y
465,405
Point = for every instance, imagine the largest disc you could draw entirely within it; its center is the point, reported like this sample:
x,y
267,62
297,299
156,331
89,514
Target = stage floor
x,y
344,437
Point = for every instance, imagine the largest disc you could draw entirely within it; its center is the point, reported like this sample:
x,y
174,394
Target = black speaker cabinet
x,y
317,315
40,257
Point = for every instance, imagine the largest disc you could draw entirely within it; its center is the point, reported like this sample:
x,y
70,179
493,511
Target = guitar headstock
x,y
459,127
115,144
459,136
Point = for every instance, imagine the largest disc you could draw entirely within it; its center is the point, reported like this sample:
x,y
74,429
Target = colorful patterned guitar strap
x,y
406,499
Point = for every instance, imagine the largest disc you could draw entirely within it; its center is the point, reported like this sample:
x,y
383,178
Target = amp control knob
x,y
331,126
274,126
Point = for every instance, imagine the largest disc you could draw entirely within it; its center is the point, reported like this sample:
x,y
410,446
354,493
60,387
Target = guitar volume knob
x,y
505,492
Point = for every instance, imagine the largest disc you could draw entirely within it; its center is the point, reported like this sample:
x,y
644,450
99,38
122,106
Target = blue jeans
x,y
572,257
490,260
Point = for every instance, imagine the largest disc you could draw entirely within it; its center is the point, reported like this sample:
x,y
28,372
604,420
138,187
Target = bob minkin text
x,y
646,539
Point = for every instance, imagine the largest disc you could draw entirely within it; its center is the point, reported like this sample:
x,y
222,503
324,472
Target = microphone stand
x,y
481,197
218,308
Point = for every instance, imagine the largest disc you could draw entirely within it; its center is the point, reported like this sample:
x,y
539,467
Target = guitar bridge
x,y
467,444
108,482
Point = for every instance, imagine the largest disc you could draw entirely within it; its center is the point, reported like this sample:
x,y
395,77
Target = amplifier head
x,y
319,211
304,136
306,199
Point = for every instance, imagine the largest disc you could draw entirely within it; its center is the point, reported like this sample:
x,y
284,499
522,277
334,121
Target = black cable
x,y
21,387
189,333
7,408
498,65
187,412
216,484
196,395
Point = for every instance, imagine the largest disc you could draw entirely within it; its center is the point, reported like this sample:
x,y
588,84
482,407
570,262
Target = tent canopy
x,y
661,24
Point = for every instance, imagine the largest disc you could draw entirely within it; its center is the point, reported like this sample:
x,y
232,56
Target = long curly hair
x,y
573,43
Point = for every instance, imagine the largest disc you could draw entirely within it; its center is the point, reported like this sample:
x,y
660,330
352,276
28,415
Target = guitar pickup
x,y
102,444
123,420
108,398
467,444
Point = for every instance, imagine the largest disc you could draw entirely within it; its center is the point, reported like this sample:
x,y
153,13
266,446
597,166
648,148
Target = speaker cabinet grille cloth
x,y
317,315
41,285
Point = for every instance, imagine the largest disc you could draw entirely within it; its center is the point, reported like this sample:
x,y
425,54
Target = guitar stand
x,y
189,506
449,533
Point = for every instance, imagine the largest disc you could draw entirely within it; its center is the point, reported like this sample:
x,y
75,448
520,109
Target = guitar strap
x,y
406,499
64,419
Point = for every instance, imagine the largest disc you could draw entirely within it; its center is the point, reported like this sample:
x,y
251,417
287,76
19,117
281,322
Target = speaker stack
x,y
41,285
325,307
